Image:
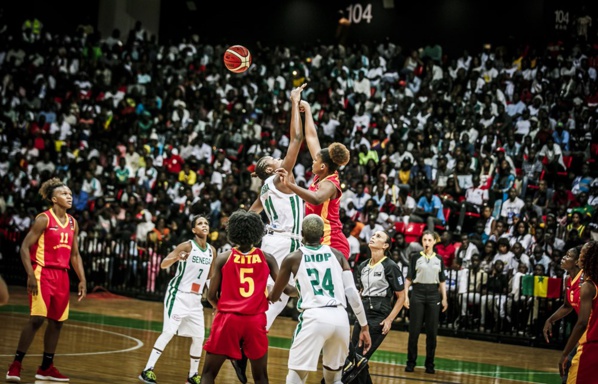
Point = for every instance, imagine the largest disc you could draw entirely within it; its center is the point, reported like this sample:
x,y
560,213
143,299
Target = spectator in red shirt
x,y
446,249
40,125
173,163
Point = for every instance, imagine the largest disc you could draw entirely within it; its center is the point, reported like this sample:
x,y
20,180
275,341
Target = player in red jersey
x,y
324,193
584,366
47,252
570,263
238,292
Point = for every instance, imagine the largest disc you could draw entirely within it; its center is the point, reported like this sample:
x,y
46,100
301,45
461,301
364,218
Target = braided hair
x,y
261,168
47,189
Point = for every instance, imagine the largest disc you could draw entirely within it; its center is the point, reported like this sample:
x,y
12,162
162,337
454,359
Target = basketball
x,y
237,58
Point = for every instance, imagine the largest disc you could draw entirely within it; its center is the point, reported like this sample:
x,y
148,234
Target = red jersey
x,y
591,333
329,212
243,287
53,248
584,366
573,289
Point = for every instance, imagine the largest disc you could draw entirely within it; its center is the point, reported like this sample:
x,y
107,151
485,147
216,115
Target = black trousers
x,y
374,319
424,308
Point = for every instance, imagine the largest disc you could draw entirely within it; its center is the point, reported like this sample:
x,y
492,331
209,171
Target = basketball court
x,y
108,340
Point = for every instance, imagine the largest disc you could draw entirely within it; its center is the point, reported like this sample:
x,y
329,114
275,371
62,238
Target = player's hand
x,y
547,331
284,176
82,289
296,93
183,255
365,340
32,285
304,106
563,364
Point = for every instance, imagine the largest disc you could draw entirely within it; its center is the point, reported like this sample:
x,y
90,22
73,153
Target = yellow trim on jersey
x,y
378,262
327,236
58,220
38,306
40,252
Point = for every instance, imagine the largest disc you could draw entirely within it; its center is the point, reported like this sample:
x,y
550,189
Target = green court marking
x,y
457,366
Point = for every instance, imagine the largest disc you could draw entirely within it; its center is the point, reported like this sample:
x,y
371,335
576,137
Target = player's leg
x,y
255,345
259,369
193,326
211,367
296,377
336,349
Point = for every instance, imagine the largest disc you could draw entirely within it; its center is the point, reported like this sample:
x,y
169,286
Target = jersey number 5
x,y
320,285
246,280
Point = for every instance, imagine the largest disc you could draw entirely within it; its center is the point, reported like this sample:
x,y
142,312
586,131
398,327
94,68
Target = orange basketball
x,y
237,58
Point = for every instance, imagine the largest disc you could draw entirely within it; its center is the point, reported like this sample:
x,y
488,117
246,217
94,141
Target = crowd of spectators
x,y
495,149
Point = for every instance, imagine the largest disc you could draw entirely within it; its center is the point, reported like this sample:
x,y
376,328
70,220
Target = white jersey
x,y
319,279
192,273
285,211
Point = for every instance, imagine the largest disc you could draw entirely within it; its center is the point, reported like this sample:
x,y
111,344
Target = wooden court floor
x,y
108,340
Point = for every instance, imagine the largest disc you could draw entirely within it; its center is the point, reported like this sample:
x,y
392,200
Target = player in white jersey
x,y
283,208
285,212
325,283
183,310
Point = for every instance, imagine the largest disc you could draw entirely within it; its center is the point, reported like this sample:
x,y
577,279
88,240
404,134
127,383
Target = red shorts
x,y
53,293
230,331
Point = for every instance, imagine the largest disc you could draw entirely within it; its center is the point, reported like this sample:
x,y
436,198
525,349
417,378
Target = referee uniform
x,y
426,272
378,284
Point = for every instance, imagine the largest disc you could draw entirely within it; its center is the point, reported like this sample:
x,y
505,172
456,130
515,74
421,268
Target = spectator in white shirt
x,y
369,229
503,254
329,124
61,127
511,207
92,186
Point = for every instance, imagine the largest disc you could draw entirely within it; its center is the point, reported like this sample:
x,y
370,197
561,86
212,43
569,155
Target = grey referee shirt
x,y
382,279
423,270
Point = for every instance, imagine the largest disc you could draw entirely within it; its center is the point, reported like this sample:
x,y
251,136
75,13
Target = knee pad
x,y
296,377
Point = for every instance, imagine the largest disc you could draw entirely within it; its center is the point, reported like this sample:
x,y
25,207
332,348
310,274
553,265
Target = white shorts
x,y
279,246
185,318
323,330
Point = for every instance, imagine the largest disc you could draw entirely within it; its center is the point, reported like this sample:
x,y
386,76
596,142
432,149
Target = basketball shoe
x,y
14,372
50,374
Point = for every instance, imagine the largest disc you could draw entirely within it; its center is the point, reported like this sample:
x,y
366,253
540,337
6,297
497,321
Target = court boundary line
x,y
134,348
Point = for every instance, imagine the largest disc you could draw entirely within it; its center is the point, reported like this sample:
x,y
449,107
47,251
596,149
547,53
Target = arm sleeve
x,y
353,298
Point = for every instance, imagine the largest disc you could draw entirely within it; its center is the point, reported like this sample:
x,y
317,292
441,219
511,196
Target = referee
x,y
426,275
382,292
